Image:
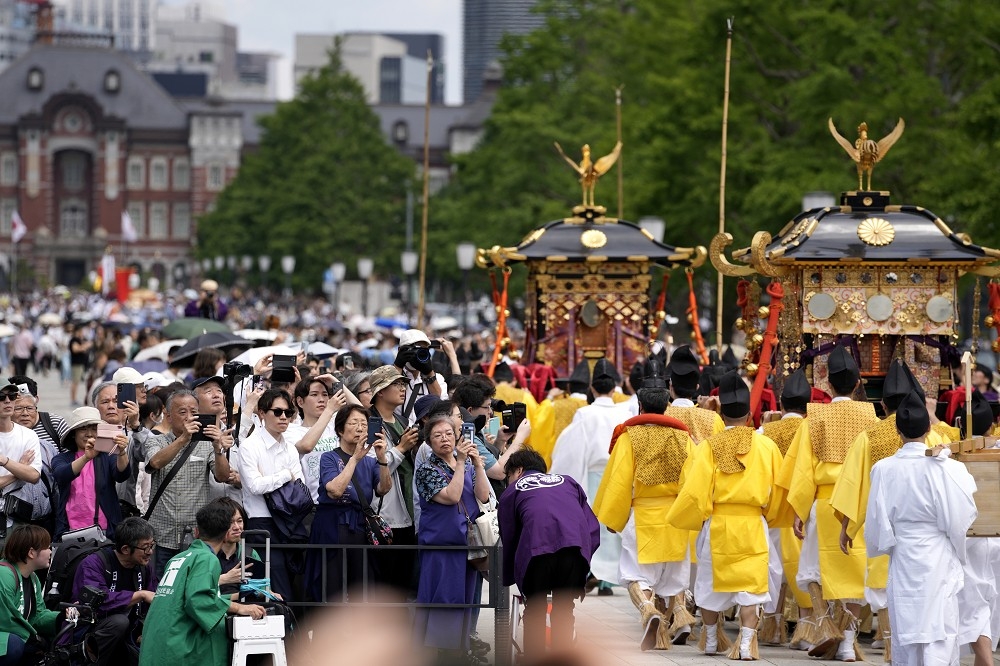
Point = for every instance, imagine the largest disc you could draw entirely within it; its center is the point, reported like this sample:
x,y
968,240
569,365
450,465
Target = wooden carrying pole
x,y
427,187
722,181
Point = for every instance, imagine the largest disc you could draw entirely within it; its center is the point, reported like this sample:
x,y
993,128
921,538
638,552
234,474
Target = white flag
x,y
128,229
17,228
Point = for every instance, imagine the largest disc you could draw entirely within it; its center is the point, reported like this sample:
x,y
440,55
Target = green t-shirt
x,y
186,621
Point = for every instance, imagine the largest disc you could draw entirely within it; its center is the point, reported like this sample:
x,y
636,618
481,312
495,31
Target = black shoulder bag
x,y
377,531
185,454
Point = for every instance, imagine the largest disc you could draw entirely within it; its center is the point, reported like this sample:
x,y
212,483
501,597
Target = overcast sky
x,y
271,25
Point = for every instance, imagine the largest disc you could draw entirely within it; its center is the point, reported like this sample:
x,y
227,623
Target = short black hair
x,y
653,400
270,395
233,507
214,519
153,405
441,407
603,385
131,531
527,459
472,391
33,385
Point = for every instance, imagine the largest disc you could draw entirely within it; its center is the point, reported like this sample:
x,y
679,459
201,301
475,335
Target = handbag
x,y
17,508
487,524
377,531
478,557
289,505
94,531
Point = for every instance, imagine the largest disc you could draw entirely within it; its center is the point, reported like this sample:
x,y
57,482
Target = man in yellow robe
x,y
809,472
785,546
728,494
684,375
640,483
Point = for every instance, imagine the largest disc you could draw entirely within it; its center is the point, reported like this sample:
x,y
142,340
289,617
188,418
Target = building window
x,y
137,211
73,220
158,220
74,165
182,174
7,208
136,173
8,169
182,220
216,177
158,173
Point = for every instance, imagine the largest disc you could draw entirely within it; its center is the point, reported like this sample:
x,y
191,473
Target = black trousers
x,y
562,574
398,568
110,637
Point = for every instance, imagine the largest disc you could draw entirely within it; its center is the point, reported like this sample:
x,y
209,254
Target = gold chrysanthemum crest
x,y
876,231
593,239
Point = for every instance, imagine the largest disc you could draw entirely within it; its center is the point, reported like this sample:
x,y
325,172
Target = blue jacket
x,y
107,474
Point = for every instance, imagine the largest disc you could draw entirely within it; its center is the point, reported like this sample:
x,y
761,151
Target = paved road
x,y
607,627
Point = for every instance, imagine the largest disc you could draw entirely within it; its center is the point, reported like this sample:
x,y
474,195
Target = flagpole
x,y
621,158
722,181
427,176
13,268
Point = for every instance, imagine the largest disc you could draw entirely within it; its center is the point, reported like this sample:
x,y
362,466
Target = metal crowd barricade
x,y
498,600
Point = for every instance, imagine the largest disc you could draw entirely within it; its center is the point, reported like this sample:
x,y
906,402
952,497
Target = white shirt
x,y
328,441
265,464
13,444
682,402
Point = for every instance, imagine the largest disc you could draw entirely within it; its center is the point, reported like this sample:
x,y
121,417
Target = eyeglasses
x,y
367,390
288,413
148,548
9,397
25,410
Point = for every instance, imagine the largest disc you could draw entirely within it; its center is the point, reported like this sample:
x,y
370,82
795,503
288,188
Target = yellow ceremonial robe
x,y
782,432
701,423
621,492
850,493
809,479
539,415
735,502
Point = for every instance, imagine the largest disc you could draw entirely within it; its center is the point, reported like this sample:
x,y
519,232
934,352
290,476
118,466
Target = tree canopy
x,y
324,185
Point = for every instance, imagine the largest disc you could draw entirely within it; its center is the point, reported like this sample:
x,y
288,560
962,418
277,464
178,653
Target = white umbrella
x,y
50,319
251,356
159,351
322,350
6,330
256,334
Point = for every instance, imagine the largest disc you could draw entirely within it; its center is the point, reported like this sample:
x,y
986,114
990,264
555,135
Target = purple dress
x,y
446,577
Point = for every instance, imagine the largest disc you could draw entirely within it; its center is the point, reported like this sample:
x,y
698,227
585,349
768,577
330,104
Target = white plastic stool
x,y
272,646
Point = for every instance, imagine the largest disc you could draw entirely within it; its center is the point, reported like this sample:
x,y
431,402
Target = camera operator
x,y
125,575
413,359
23,615
208,305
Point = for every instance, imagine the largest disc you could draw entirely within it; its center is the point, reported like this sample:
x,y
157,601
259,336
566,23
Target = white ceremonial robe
x,y
976,599
581,452
919,510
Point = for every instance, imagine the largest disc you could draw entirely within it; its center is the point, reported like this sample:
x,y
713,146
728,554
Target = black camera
x,y
86,651
422,354
236,370
497,405
513,415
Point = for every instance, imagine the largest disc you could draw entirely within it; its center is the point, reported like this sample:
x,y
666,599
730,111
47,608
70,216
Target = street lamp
x,y
466,254
654,226
178,275
264,264
220,263
339,271
206,266
409,260
365,268
288,267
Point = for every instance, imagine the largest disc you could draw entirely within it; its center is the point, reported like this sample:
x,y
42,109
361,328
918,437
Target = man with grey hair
x,y
200,452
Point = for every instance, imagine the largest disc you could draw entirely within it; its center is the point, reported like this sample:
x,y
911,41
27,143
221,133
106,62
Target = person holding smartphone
x,y
351,477
87,477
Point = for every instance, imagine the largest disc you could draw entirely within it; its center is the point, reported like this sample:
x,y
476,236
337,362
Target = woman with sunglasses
x,y
267,462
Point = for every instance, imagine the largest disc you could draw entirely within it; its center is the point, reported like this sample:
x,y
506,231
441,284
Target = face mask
x,y
480,422
157,420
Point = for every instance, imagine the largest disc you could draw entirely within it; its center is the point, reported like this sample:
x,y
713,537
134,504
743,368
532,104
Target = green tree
x,y
323,186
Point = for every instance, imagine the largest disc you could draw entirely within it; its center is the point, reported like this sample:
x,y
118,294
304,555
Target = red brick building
x,y
85,136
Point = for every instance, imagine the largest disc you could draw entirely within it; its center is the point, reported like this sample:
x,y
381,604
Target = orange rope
x,y
699,342
776,292
501,321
